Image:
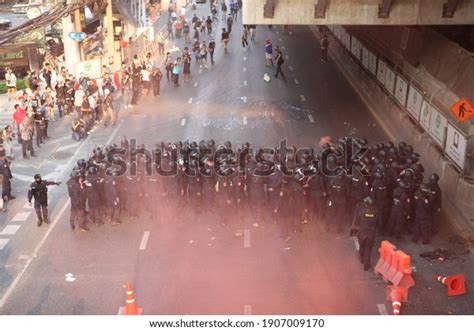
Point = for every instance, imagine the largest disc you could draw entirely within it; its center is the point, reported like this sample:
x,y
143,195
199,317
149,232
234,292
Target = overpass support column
x,y
320,9
384,8
269,9
449,8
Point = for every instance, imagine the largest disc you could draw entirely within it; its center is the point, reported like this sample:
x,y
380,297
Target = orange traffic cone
x,y
397,295
131,306
455,284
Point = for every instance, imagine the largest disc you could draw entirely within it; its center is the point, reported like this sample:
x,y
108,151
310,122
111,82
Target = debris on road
x,y
439,254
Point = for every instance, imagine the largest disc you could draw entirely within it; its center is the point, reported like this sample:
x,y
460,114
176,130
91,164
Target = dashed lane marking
x,y
287,57
303,98
21,217
244,99
311,119
291,68
245,120
15,282
247,310
279,39
245,83
183,122
144,242
121,311
356,243
297,82
3,243
245,58
10,229
196,84
245,69
190,101
247,239
69,146
382,309
112,137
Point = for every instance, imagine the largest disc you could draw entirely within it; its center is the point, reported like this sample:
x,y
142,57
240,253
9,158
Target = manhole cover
x,y
61,155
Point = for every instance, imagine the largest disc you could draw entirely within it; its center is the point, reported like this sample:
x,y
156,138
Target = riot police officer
x,y
366,220
91,188
336,202
112,200
423,214
379,193
316,192
398,215
39,191
436,193
76,194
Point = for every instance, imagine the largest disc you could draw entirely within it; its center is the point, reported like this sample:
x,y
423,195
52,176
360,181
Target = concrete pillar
x,y
109,23
72,53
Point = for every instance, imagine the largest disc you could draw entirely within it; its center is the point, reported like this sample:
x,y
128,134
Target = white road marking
x,y
356,243
10,229
311,118
382,309
144,241
247,310
183,122
190,100
303,98
245,83
297,82
245,58
279,39
121,311
245,120
112,137
21,217
69,146
291,68
196,84
245,69
244,99
247,239
287,57
15,282
3,243
69,277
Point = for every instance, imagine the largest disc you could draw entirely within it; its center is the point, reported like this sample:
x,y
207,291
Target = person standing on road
x,y
145,77
209,25
186,64
76,193
161,43
126,90
169,25
230,21
223,10
211,47
324,48
26,136
168,66
186,30
279,62
10,79
224,40
203,55
176,71
245,35
366,220
39,191
6,178
108,109
156,81
269,52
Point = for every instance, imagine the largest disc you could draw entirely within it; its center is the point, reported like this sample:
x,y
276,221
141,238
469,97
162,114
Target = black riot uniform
x,y
255,184
91,188
112,200
380,195
336,202
6,177
316,193
366,220
398,214
283,210
195,188
436,193
76,193
39,190
358,190
423,214
273,188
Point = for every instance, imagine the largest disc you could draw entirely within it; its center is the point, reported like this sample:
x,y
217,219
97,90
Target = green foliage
x,y
20,85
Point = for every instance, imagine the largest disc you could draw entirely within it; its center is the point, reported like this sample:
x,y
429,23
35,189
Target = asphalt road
x,y
182,262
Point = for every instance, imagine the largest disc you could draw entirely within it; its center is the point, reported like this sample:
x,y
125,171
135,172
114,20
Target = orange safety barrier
x,y
397,295
387,250
130,304
399,272
455,284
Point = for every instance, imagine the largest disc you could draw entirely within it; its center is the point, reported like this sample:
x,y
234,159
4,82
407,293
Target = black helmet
x,y
402,184
425,188
331,159
368,201
81,163
382,153
93,170
389,145
402,145
378,175
341,174
392,151
434,179
37,176
75,174
408,149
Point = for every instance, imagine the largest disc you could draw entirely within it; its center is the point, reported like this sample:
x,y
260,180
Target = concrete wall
x,y
359,12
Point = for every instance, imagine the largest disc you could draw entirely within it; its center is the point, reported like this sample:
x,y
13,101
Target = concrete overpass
x,y
359,12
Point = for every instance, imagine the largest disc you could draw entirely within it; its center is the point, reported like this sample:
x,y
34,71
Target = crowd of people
x,y
289,185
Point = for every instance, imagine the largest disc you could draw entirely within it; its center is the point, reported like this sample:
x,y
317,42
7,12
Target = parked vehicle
x,y
5,24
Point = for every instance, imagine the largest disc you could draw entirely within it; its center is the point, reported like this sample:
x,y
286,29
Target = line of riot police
x,y
289,185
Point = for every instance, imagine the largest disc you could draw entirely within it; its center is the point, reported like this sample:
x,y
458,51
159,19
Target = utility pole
x,y
109,23
72,53
78,28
